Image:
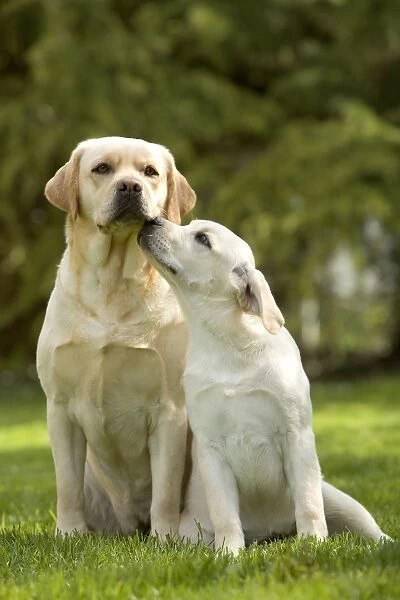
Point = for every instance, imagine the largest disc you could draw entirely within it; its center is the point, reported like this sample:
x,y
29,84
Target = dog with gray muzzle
x,y
111,351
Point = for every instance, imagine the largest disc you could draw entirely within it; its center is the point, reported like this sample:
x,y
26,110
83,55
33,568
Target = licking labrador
x,y
255,472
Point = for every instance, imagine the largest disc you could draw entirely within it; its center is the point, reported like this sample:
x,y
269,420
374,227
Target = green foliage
x,y
284,115
357,428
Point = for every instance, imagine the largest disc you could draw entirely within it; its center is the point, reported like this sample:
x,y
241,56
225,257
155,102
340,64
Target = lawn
x,y
358,439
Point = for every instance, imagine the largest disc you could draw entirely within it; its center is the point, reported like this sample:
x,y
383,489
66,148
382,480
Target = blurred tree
x,y
284,115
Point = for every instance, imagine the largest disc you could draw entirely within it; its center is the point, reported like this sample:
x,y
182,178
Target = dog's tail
x,y
343,513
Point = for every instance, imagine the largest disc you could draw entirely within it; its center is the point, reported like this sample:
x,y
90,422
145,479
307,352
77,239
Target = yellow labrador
x,y
111,351
255,471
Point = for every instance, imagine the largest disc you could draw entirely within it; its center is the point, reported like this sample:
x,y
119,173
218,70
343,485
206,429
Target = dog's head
x,y
206,261
118,182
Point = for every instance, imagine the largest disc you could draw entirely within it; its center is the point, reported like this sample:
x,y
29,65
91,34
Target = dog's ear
x,y
62,190
255,297
180,196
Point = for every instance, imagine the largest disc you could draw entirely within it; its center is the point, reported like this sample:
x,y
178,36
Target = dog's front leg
x,y
68,444
167,445
304,477
222,498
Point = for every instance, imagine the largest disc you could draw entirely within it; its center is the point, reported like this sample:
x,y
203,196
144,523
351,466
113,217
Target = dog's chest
x,y
220,409
111,378
247,428
107,367
113,393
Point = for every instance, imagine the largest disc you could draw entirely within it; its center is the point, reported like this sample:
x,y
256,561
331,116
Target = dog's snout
x,y
147,227
157,222
129,186
131,202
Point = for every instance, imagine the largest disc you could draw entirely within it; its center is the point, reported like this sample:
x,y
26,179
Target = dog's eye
x,y
150,171
102,168
202,238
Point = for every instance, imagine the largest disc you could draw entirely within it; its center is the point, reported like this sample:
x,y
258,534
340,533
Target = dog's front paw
x,y
229,542
311,523
164,530
316,529
71,529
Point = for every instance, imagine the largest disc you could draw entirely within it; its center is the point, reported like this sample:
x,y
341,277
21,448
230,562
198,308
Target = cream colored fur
x,y
255,473
111,351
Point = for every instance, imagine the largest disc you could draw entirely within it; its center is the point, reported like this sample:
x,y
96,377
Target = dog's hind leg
x,y
343,513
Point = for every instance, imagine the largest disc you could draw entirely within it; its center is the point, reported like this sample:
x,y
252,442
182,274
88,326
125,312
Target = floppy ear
x,y
255,297
62,190
180,196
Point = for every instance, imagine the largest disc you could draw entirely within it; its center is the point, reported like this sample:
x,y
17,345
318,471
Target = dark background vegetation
x,y
283,114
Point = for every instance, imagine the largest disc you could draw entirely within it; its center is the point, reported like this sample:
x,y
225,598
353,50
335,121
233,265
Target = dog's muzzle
x,y
152,238
148,228
129,203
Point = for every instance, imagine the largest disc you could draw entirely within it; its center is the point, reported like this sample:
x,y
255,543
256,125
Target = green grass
x,y
358,440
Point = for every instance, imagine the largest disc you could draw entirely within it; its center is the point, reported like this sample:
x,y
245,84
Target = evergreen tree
x,y
283,114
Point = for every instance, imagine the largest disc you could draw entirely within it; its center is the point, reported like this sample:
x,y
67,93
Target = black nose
x,y
129,186
157,222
